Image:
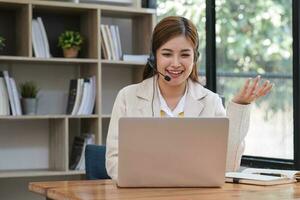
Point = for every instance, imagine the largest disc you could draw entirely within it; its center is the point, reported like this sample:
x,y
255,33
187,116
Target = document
x,y
256,176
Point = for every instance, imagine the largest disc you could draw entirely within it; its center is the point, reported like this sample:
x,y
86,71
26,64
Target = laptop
x,y
172,152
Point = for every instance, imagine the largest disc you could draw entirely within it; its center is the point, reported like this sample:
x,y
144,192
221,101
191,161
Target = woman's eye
x,y
185,55
166,54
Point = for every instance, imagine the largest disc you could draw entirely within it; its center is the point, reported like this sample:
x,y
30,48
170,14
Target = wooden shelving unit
x,y
40,145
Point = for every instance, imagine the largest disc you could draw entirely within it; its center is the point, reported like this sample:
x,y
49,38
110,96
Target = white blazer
x,y
136,101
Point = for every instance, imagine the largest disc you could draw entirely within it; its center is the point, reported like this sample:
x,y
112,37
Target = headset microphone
x,y
150,62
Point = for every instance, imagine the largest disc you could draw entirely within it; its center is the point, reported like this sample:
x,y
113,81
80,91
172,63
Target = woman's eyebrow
x,y
183,50
167,49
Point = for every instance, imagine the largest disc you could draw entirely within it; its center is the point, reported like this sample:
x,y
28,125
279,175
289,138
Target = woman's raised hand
x,y
252,90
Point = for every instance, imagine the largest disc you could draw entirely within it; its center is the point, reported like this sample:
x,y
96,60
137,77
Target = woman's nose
x,y
176,61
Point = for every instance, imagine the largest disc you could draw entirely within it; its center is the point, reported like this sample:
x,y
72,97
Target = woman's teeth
x,y
175,72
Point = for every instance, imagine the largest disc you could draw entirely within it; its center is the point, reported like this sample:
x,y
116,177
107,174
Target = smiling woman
x,y
174,48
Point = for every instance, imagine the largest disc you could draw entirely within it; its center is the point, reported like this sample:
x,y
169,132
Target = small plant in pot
x,y
70,42
29,99
2,42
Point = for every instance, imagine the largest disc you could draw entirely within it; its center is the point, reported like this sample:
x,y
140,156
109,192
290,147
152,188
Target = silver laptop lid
x,y
172,152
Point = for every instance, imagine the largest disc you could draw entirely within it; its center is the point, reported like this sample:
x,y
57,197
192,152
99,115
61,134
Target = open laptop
x,y
172,152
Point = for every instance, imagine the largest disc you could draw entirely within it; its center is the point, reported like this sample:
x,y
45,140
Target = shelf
x,y
122,62
119,10
105,116
32,173
23,117
47,60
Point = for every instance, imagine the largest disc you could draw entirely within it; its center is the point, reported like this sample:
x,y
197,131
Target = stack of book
x,y
39,39
110,42
82,96
77,159
9,96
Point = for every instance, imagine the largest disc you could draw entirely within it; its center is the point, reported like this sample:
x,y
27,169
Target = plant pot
x,y
71,52
29,106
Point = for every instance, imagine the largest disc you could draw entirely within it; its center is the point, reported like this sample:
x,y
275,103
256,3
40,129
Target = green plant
x,y
2,42
69,39
29,89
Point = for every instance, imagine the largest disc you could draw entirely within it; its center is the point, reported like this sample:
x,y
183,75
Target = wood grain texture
x,y
106,189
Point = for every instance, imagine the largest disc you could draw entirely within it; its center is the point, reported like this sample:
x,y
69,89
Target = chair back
x,y
95,162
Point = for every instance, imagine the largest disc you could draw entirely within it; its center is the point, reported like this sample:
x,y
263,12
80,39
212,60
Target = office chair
x,y
95,162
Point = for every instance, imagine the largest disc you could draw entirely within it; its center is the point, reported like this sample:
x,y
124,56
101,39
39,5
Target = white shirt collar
x,y
164,106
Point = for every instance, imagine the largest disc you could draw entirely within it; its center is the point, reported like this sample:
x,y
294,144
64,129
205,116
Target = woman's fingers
x,y
262,88
253,87
267,89
252,90
246,87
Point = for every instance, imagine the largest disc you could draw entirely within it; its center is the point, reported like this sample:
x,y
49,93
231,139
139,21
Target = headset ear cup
x,y
151,60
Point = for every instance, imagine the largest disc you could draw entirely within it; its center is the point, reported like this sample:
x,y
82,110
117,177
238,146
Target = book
x,y
10,93
119,42
16,96
104,53
77,159
106,42
4,100
88,139
110,42
84,99
76,152
255,176
78,98
72,95
37,40
92,99
44,37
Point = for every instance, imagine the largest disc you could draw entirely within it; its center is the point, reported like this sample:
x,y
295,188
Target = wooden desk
x,y
106,189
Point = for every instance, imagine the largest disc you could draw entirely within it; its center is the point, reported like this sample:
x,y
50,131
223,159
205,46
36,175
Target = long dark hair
x,y
167,29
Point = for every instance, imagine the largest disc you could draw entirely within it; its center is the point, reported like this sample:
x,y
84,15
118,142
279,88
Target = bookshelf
x,y
40,145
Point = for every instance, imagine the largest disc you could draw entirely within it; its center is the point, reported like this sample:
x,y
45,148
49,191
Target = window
x,y
256,38
252,38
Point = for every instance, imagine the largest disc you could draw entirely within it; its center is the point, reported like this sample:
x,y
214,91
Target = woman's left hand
x,y
252,90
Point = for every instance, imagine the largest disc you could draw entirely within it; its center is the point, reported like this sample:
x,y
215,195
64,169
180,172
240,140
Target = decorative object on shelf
x,y
2,42
70,42
29,99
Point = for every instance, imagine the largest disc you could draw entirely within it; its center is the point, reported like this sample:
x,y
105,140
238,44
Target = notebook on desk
x,y
172,152
259,176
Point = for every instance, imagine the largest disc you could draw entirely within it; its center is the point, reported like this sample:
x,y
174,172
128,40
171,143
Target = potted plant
x,y
2,42
29,93
70,42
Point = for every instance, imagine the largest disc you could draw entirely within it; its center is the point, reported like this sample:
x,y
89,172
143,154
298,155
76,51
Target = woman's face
x,y
176,59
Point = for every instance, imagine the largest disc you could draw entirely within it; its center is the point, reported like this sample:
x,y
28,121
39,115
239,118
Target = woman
x,y
174,57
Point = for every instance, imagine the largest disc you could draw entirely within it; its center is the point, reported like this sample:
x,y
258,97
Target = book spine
x,y
10,93
72,95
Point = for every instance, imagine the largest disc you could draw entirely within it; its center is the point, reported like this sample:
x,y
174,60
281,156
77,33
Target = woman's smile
x,y
174,73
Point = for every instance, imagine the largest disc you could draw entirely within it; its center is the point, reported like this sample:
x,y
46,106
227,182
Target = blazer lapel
x,y
194,99
145,105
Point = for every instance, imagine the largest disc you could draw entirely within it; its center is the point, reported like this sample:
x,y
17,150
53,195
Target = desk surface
x,y
106,189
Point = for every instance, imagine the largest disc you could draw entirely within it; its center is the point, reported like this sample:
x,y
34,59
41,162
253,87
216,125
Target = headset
x,y
151,62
